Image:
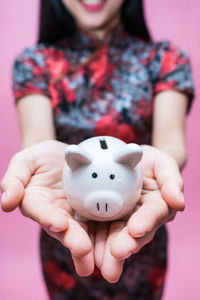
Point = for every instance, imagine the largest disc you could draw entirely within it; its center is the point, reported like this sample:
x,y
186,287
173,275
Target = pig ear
x,y
75,157
130,155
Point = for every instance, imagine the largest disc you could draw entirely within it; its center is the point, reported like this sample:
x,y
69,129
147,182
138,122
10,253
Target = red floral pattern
x,y
58,277
156,277
102,89
113,125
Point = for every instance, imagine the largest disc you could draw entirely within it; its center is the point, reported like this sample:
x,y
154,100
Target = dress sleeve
x,y
29,73
173,71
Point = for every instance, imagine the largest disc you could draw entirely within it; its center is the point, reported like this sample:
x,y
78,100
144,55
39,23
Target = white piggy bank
x,y
102,178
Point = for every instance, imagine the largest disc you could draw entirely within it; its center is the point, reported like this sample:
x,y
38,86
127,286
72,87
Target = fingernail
x,y
139,234
3,197
128,255
54,229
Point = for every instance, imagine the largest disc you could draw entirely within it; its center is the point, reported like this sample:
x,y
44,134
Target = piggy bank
x,y
102,178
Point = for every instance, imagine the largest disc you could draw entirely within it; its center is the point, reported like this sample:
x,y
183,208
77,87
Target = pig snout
x,y
104,204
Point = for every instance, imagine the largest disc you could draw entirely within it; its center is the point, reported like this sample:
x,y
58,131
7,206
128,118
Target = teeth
x,y
92,2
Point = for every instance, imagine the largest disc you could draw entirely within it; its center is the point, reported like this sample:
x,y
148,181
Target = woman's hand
x,y
160,200
33,182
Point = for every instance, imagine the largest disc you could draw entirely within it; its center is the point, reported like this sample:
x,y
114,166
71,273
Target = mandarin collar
x,y
87,40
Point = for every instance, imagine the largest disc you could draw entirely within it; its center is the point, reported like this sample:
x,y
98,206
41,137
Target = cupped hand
x,y
161,198
33,182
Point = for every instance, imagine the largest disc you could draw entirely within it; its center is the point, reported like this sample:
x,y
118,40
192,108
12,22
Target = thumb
x,y
172,192
15,180
169,178
12,193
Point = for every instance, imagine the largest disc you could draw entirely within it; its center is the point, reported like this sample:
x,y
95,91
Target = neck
x,y
100,33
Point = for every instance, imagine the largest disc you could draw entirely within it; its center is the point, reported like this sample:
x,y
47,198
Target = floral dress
x,y
103,88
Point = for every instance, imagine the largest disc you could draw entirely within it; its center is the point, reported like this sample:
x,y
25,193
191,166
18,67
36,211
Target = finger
x,y
100,242
76,239
55,220
124,245
153,211
111,267
84,265
172,193
82,254
13,191
168,175
15,180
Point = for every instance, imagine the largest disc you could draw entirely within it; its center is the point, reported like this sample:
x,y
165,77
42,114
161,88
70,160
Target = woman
x,y
96,71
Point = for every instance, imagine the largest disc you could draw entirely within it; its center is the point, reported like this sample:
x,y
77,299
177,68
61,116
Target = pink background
x,y
20,274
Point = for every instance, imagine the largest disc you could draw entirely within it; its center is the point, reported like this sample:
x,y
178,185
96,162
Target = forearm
x,y
169,125
35,119
35,139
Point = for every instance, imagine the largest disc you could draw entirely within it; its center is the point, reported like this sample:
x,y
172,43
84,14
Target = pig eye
x,y
94,175
112,176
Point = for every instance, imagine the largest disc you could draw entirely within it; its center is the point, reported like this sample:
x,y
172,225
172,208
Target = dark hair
x,y
56,22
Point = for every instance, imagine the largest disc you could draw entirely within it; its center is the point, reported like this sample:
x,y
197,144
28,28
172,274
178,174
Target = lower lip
x,y
95,7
